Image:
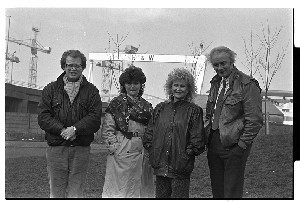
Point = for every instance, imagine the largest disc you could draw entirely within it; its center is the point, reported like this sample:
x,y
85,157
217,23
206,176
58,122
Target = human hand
x,y
68,133
112,148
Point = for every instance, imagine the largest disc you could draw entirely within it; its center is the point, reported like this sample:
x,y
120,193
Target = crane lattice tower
x,y
34,46
33,60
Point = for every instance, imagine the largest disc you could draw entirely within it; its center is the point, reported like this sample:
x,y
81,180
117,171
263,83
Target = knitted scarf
x,y
72,88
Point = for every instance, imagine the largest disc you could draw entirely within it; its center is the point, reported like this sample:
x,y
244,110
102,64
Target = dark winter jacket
x,y
174,136
241,115
56,112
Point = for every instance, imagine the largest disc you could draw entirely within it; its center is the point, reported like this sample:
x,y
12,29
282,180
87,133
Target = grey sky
x,y
157,31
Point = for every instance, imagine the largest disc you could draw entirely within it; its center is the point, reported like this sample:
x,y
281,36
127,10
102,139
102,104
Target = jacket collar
x,y
60,80
177,103
217,78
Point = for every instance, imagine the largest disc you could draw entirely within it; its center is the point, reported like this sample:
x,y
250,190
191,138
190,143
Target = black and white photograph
x,y
148,101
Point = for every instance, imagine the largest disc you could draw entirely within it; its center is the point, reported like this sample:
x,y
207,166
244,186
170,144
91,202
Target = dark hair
x,y
132,74
73,54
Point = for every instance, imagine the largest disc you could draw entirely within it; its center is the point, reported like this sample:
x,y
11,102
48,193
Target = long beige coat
x,y
128,171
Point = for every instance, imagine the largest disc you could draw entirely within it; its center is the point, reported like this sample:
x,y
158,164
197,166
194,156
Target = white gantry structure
x,y
198,65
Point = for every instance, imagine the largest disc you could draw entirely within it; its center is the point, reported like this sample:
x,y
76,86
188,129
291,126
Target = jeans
x,y
67,168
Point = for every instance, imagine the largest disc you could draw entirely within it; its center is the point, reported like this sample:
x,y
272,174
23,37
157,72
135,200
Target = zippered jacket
x,y
174,136
56,112
241,115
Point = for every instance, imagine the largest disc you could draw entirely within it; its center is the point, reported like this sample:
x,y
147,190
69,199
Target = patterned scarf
x,y
72,88
124,108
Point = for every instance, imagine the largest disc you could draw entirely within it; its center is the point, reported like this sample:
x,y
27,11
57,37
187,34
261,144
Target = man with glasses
x,y
70,113
233,119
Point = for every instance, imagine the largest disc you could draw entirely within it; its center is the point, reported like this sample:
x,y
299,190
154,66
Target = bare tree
x,y
251,54
198,50
264,61
118,43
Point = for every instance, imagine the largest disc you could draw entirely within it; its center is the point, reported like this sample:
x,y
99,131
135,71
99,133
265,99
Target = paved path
x,y
14,149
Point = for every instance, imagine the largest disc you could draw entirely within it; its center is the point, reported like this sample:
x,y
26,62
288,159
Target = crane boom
x,y
35,47
38,47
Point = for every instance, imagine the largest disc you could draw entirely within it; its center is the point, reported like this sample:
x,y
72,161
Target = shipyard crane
x,y
13,59
9,57
113,64
108,62
35,46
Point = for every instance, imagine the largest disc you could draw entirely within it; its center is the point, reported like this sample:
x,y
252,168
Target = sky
x,y
154,31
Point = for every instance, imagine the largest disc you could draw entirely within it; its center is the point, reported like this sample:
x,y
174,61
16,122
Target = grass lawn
x,y
269,173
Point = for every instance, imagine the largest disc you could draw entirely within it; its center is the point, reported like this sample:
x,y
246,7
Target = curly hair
x,y
181,74
73,54
132,74
231,54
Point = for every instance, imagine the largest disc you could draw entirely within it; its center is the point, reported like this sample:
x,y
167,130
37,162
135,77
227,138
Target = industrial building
x,y
21,113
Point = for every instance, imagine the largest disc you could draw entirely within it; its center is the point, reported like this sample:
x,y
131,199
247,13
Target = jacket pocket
x,y
184,164
56,106
83,108
233,100
232,107
231,132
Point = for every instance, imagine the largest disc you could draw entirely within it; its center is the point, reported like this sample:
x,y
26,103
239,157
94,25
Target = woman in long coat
x,y
128,172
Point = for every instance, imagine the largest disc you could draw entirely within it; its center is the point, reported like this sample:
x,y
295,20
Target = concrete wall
x,y
22,126
21,99
21,113
25,126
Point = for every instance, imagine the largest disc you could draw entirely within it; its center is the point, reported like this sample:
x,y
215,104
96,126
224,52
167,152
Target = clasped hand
x,y
68,133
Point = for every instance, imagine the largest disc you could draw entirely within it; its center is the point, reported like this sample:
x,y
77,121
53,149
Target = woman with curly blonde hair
x,y
175,135
184,74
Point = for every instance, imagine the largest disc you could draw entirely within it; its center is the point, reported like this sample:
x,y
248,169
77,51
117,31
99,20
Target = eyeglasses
x,y
222,64
73,65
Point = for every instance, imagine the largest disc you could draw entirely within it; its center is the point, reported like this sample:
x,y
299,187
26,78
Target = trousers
x,y
172,187
227,167
67,168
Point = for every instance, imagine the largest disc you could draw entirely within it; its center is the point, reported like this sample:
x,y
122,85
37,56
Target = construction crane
x,y
9,57
13,59
35,46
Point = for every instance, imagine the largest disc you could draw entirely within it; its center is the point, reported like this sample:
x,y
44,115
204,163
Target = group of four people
x,y
143,141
